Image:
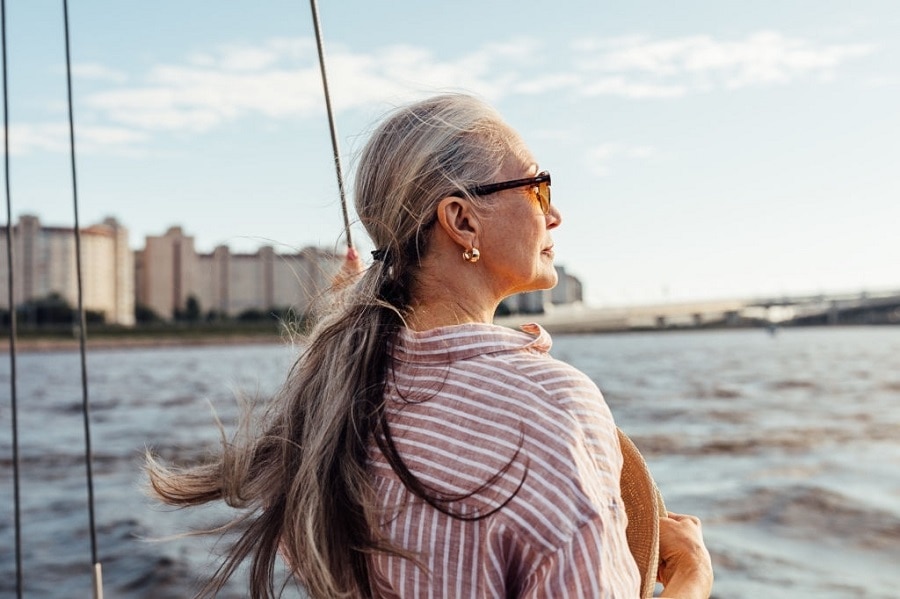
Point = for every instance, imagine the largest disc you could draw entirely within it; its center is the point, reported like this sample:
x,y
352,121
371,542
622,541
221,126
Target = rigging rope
x,y
331,126
82,328
12,316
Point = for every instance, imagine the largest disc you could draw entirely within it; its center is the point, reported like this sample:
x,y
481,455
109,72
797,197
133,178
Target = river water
x,y
786,445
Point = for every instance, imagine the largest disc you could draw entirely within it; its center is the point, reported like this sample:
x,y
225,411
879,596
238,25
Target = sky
x,y
699,150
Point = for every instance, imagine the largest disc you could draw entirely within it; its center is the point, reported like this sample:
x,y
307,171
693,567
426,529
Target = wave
x,y
759,441
807,511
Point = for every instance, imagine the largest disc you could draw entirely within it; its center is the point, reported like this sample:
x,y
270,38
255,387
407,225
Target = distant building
x,y
169,271
567,291
44,264
531,302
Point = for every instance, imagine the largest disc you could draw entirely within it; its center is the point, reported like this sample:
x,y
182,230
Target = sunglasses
x,y
541,183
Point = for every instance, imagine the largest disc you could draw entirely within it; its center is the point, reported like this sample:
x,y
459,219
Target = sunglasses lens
x,y
543,190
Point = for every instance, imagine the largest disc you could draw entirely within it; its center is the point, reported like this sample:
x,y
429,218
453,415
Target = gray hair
x,y
422,153
301,477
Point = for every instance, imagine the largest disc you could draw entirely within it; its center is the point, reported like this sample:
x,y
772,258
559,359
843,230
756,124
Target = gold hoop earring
x,y
471,255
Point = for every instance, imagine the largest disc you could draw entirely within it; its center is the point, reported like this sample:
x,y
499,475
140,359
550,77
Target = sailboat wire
x,y
82,328
331,126
12,316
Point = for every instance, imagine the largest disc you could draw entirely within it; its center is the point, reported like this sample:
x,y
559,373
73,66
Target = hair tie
x,y
379,254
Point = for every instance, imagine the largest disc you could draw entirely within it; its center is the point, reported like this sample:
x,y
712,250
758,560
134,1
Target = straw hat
x,y
644,506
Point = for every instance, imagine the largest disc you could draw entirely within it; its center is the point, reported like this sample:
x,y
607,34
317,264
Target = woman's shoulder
x,y
542,380
497,405
467,418
484,373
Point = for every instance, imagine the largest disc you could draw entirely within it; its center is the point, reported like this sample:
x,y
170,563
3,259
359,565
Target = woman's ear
x,y
457,217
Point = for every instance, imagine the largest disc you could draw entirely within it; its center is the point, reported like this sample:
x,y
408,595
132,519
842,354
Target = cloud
x,y
882,81
54,137
99,72
539,85
279,78
92,137
598,158
621,86
642,67
198,99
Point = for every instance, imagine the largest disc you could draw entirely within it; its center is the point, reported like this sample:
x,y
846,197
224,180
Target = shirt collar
x,y
462,341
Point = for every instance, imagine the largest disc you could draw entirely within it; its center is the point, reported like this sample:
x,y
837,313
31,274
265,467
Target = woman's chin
x,y
547,281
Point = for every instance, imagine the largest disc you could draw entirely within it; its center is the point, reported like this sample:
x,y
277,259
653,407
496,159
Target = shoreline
x,y
43,345
104,342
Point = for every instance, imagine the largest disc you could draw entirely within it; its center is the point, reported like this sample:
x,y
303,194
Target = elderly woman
x,y
416,449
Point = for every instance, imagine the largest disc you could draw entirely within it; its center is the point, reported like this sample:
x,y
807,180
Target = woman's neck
x,y
448,300
445,312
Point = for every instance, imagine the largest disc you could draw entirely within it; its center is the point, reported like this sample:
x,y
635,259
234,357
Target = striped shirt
x,y
474,404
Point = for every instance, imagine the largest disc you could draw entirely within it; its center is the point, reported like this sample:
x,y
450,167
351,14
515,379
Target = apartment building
x,y
568,291
44,263
169,271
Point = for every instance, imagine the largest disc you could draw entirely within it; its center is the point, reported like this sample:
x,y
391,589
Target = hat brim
x,y
644,506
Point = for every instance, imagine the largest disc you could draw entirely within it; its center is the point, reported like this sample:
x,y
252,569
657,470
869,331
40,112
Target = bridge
x,y
859,308
808,310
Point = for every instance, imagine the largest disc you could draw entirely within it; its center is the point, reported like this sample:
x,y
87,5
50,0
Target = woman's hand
x,y
685,568
349,270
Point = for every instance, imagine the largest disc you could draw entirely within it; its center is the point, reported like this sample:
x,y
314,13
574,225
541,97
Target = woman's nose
x,y
554,218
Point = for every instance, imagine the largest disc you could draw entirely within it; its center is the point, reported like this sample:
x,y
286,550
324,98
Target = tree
x,y
252,315
53,308
191,311
145,314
